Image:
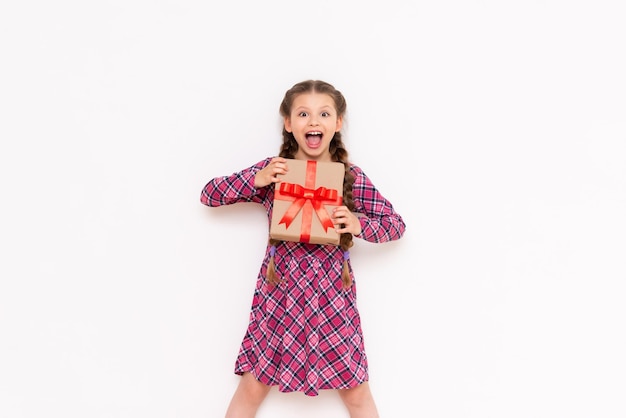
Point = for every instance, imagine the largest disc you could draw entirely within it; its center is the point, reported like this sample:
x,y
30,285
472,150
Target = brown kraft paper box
x,y
304,201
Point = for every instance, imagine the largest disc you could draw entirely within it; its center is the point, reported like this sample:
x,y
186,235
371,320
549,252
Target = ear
x,y
339,124
287,122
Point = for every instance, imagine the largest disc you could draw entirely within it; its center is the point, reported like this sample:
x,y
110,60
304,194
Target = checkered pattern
x,y
305,334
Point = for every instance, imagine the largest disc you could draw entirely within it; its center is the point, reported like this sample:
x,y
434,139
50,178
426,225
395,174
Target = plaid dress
x,y
305,333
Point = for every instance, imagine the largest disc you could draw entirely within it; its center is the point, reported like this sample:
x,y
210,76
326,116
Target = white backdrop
x,y
497,129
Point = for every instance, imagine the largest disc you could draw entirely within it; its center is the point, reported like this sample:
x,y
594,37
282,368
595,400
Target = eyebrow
x,y
325,107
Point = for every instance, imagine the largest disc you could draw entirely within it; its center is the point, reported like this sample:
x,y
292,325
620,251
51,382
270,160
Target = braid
x,y
287,150
338,153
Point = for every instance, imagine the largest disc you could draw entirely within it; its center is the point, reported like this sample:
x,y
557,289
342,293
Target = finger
x,y
282,167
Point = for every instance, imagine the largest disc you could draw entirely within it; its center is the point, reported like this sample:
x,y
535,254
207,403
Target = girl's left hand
x,y
342,215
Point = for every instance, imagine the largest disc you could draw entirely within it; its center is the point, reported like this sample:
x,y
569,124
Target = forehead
x,y
313,100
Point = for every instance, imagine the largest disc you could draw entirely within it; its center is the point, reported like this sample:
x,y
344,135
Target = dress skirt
x,y
305,333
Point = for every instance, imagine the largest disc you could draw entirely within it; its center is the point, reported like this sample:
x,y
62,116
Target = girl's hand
x,y
269,174
342,215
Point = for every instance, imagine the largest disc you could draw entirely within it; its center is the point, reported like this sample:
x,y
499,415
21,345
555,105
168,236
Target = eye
x,y
325,114
303,114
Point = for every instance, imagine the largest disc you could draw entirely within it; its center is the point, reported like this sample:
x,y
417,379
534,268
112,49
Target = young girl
x,y
304,332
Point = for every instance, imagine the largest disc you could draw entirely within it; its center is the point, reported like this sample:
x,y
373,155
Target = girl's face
x,y
313,122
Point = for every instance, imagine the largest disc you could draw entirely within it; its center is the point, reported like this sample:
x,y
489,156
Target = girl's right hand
x,y
269,174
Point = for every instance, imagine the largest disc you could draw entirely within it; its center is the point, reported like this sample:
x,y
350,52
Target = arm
x,y
379,221
238,187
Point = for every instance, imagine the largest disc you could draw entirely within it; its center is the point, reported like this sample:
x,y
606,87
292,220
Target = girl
x,y
304,332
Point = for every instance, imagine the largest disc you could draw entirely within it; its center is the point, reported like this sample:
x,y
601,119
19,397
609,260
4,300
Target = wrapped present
x,y
304,200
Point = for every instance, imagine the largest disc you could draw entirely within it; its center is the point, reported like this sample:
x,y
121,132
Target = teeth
x,y
314,133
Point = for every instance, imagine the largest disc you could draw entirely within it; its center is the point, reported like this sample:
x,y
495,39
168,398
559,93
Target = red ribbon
x,y
309,200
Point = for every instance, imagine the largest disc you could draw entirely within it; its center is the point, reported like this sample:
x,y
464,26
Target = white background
x,y
496,128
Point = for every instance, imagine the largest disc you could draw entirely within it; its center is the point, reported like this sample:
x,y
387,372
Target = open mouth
x,y
313,139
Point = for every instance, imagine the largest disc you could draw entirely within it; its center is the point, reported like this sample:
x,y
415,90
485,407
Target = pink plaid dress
x,y
305,334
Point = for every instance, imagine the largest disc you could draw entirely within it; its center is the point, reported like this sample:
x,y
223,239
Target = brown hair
x,y
338,153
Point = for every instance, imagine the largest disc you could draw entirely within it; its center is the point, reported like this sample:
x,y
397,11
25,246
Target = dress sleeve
x,y
237,187
379,220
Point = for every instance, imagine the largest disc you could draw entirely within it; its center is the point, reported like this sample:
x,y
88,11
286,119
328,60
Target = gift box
x,y
304,200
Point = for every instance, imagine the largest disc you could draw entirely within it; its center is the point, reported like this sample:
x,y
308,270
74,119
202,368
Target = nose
x,y
313,121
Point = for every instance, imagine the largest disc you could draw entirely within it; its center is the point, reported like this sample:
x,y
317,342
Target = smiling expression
x,y
313,122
